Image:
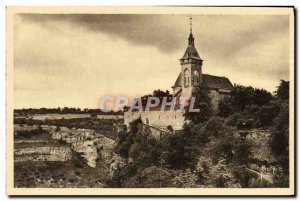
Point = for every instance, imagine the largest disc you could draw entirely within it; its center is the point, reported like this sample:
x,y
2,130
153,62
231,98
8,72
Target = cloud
x,y
71,60
166,32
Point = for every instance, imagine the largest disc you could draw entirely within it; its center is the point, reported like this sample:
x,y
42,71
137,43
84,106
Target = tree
x,y
280,135
150,177
280,145
282,91
160,93
242,151
261,97
215,175
94,115
202,102
225,107
241,97
186,179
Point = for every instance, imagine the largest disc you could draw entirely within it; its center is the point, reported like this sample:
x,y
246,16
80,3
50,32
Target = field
x,y
68,116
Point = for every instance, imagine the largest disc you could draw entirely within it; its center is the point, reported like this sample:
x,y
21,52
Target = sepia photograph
x,y
150,101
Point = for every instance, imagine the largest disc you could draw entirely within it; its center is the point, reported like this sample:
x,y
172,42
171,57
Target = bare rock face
x,y
90,153
84,141
87,142
56,136
88,150
24,127
116,162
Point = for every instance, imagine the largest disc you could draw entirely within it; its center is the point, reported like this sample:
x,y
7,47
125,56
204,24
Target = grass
x,y
105,127
58,175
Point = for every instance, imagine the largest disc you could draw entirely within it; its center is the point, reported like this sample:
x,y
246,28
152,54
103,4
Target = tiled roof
x,y
216,82
212,82
178,81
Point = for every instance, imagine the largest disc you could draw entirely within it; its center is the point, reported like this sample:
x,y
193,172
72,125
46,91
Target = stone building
x,y
189,78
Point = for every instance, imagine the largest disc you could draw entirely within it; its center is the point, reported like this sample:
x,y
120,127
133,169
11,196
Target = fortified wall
x,y
158,119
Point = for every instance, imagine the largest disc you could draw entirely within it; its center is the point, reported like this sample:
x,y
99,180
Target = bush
x,y
150,177
28,134
78,160
186,179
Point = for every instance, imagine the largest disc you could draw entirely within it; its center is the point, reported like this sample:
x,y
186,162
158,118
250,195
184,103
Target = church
x,y
190,77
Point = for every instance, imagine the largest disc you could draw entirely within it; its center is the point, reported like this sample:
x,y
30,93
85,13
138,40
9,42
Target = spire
x,y
191,51
191,37
191,25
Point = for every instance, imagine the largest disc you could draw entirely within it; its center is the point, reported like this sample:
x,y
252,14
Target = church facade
x,y
190,77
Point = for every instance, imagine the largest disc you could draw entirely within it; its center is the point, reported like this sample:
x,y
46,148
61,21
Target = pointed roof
x,y
178,81
191,52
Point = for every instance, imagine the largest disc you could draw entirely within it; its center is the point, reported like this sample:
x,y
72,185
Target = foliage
x,y
202,102
208,152
244,176
78,160
281,178
104,126
160,93
186,179
28,134
254,116
280,145
282,91
225,107
64,110
121,175
243,96
215,175
261,97
280,134
150,177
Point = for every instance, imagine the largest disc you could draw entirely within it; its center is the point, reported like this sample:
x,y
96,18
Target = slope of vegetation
x,y
207,152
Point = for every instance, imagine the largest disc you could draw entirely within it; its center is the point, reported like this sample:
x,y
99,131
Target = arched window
x,y
186,77
196,77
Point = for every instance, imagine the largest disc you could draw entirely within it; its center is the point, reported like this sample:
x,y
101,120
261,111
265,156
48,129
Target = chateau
x,y
189,78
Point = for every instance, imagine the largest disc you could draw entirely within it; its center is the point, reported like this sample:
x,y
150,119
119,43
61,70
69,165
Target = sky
x,y
72,60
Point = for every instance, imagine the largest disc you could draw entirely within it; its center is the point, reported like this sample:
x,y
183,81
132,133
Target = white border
x,y
95,3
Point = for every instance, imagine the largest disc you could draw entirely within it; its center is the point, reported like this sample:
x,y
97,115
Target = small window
x,y
186,77
147,121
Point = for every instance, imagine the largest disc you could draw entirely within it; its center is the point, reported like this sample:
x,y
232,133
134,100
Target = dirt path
x,y
266,176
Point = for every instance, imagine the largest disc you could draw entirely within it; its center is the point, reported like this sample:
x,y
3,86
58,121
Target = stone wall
x,y
157,119
216,96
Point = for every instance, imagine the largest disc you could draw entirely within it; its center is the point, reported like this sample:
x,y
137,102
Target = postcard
x,y
150,101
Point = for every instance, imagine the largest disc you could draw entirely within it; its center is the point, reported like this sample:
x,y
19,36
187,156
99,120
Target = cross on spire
x,y
191,24
191,38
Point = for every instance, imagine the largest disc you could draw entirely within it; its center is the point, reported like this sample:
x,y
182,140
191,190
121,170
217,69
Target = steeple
x,y
191,68
191,52
191,25
191,37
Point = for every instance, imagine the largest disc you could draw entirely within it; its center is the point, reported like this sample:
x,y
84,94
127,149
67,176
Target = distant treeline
x,y
64,110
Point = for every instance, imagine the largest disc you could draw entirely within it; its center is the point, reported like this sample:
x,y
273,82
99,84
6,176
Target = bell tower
x,y
191,67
